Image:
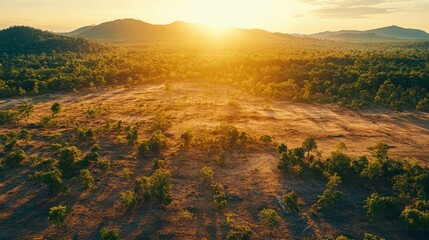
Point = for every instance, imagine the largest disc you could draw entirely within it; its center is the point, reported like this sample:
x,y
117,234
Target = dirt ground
x,y
250,176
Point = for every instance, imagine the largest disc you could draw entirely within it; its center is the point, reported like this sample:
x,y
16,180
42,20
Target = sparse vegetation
x,y
269,218
58,214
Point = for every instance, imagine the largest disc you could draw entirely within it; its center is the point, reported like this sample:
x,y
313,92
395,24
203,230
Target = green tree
x,y
68,157
309,145
55,108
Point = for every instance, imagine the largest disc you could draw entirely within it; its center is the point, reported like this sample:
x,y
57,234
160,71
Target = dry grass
x,y
249,174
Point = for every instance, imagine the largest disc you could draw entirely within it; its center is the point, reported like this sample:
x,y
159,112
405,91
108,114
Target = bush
x,y
156,187
269,218
207,173
376,206
290,200
128,198
143,149
368,236
339,163
329,198
132,135
68,157
86,179
84,135
186,215
156,142
240,233
55,108
24,135
58,214
50,176
416,219
265,139
219,200
281,148
109,234
105,165
15,158
47,121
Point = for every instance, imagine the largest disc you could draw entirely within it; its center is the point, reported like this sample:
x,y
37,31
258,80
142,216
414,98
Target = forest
x,y
355,75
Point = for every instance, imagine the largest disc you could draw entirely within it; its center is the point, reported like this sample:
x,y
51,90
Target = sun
x,y
218,15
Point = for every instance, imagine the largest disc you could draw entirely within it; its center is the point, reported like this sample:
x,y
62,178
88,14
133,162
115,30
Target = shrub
x,y
84,135
55,108
379,151
269,218
143,148
265,139
109,234
95,148
207,173
15,158
24,135
281,148
329,198
91,157
416,218
128,198
157,142
51,177
105,165
290,200
240,233
219,200
186,215
156,187
339,163
132,135
8,116
68,157
291,158
10,144
86,179
368,236
58,214
25,110
47,121
376,206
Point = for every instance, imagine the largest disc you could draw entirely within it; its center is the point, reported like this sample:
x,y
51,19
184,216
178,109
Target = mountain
x,y
385,33
78,31
132,30
26,40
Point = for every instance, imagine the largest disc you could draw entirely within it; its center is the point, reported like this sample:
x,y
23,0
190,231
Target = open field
x,y
249,174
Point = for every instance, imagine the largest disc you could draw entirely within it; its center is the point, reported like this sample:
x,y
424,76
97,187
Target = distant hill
x,y
27,40
126,30
385,33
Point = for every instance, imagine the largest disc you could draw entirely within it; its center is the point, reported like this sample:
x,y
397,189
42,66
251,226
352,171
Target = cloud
x,y
351,8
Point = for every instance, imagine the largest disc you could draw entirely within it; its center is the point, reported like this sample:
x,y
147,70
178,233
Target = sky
x,y
286,16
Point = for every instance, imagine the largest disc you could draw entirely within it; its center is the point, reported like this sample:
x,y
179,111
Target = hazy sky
x,y
289,16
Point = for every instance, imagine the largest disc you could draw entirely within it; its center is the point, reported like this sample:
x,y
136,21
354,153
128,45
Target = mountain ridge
x,y
392,32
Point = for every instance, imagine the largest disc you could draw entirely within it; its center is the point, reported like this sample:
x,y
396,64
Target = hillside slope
x,y
26,40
